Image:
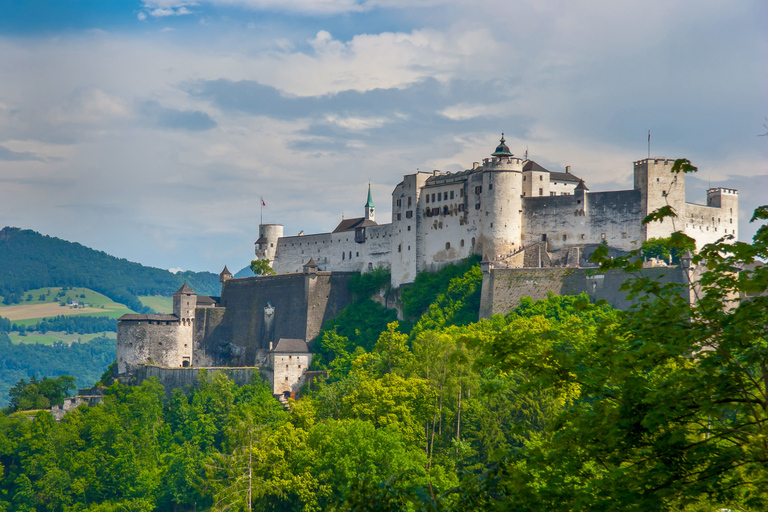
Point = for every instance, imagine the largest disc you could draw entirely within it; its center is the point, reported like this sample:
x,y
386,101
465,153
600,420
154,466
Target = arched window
x,y
461,244
447,245
473,241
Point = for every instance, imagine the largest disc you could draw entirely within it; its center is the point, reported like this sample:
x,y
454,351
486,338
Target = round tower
x,y
266,245
502,203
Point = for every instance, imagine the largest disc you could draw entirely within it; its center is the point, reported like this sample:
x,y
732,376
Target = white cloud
x,y
90,106
323,7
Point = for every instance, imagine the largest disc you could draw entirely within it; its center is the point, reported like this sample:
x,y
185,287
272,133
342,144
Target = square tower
x,y
659,187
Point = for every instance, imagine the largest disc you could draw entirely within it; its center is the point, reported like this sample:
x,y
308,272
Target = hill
x,y
29,261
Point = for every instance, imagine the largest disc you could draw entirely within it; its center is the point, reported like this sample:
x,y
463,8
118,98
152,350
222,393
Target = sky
x,y
151,129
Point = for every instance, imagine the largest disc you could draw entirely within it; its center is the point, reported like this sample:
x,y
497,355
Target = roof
x,y
203,300
261,240
530,165
291,345
225,271
581,186
350,224
369,204
502,149
311,263
163,318
185,290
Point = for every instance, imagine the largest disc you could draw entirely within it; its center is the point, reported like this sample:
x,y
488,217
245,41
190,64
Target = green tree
x,y
261,267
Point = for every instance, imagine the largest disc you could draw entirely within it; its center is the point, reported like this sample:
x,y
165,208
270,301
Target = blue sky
x,y
150,129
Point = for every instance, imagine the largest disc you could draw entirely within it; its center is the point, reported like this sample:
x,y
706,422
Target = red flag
x,y
262,202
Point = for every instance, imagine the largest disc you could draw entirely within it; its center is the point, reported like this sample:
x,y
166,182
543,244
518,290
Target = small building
x,y
289,359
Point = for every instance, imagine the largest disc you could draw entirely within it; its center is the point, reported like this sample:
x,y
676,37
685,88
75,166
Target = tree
x,y
261,267
671,403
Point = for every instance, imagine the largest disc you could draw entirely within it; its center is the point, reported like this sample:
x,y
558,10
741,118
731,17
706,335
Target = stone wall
x,y
164,343
503,288
301,305
288,371
186,378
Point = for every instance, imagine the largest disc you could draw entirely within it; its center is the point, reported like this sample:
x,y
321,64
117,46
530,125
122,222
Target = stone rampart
x,y
503,288
187,378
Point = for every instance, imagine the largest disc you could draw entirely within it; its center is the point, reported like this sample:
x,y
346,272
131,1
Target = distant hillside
x,y
244,272
29,260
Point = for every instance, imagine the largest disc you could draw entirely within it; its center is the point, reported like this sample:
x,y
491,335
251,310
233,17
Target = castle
x,y
515,214
497,210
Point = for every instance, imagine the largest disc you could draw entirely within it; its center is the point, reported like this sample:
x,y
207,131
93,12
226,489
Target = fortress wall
x,y
617,215
301,304
705,223
503,288
377,249
142,342
186,378
294,251
210,337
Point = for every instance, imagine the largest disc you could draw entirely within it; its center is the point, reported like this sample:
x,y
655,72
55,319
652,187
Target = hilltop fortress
x,y
508,210
533,228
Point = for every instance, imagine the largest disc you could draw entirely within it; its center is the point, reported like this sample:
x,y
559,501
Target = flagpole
x,y
261,212
649,144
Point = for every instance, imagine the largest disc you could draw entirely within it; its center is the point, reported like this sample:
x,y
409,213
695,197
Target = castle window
x,y
409,247
461,244
583,236
357,254
541,178
447,245
490,186
343,256
409,214
299,366
409,200
477,206
439,196
478,189
435,211
602,235
541,191
461,192
486,213
523,178
445,210
399,248
399,216
553,193
461,207
271,245
409,228
473,242
427,197
451,194
398,202
350,254
433,198
565,237
544,237
286,378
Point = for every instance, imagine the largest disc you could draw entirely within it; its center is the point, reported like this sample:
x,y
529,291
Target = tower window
x,y
447,245
490,186
433,198
541,191
439,196
409,200
451,194
461,243
541,178
427,197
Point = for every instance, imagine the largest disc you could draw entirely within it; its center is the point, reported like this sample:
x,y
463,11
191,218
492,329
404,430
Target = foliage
x,y
84,361
663,249
261,267
70,324
364,285
29,260
40,394
428,286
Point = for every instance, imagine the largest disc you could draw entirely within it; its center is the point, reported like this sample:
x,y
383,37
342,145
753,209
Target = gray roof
x,y
185,289
225,271
350,224
311,263
202,300
530,165
291,345
136,318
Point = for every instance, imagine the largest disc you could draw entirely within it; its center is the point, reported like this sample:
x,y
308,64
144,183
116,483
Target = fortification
x,y
509,210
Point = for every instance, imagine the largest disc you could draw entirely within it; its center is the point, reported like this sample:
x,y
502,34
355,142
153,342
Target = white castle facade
x,y
499,210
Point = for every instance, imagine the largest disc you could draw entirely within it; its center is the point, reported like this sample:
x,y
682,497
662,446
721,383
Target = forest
x,y
562,404
29,260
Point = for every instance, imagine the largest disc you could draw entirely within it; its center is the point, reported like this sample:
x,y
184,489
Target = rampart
x,y
261,309
503,288
187,378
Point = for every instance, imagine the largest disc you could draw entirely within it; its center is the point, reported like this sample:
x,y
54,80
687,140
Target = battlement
x,y
504,163
722,191
655,161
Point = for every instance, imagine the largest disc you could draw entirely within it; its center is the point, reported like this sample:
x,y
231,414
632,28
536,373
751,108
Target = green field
x,y
50,337
29,312
158,303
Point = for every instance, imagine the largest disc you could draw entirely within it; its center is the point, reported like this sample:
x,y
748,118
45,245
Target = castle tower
x,y
266,245
184,303
369,208
727,200
500,199
225,275
659,187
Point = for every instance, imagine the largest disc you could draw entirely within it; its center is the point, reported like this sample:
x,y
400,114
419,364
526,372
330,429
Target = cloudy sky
x,y
151,129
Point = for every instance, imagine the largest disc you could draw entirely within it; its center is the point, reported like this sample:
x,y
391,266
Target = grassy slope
x,y
158,303
31,312
50,337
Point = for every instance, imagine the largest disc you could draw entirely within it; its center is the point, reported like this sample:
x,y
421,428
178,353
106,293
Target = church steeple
x,y
369,208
